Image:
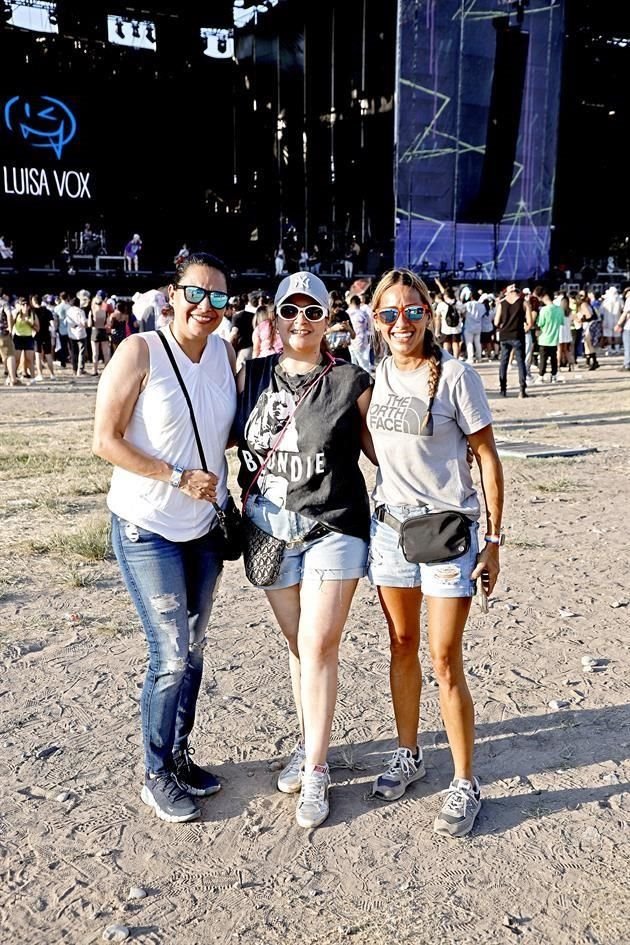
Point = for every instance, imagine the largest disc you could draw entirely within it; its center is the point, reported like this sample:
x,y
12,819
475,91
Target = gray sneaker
x,y
290,778
313,807
402,770
460,808
168,800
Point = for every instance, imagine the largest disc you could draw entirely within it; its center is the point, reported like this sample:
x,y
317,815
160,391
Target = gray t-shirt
x,y
426,470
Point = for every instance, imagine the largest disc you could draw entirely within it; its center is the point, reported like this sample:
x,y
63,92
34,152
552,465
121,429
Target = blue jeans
x,y
626,349
506,348
172,585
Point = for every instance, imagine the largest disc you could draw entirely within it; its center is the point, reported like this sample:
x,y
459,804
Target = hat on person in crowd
x,y
234,300
48,299
136,236
83,294
100,294
302,283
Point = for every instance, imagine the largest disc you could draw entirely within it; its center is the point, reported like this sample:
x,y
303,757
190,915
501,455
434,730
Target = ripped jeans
x,y
172,585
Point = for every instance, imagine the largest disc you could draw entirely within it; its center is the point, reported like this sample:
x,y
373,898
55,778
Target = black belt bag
x,y
431,537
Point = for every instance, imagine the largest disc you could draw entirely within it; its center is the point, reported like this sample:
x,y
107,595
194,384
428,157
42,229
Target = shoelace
x,y
402,761
171,788
457,798
313,788
296,760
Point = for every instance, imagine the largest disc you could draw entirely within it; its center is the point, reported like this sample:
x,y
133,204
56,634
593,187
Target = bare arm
x,y
121,384
363,403
497,315
256,344
485,450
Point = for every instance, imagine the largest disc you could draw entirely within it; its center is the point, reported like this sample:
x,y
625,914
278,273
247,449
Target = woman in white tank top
x,y
162,512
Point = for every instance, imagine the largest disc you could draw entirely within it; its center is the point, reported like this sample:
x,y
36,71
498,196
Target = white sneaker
x,y
313,807
403,769
459,810
290,778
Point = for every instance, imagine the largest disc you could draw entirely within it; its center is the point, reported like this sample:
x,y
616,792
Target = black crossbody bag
x,y
431,537
229,524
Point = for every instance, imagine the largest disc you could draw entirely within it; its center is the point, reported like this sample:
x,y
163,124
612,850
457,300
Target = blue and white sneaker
x,y
168,800
402,770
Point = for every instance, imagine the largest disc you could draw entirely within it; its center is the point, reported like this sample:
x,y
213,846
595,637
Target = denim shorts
x,y
332,557
388,567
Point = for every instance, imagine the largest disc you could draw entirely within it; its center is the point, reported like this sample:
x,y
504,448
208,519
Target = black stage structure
x,y
285,134
278,125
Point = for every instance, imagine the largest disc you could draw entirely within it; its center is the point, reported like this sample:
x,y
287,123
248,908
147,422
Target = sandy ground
x,y
548,860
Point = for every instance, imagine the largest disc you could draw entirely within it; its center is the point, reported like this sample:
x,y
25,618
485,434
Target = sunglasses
x,y
414,313
289,312
195,295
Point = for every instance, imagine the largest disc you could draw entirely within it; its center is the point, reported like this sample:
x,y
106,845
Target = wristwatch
x,y
176,476
495,539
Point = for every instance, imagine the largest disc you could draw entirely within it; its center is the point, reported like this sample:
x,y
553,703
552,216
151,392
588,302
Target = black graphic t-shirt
x,y
315,469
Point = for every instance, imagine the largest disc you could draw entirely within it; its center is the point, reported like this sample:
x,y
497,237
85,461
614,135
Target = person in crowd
x,y
550,323
488,346
512,319
426,408
474,311
566,353
44,339
591,330
535,302
98,321
448,313
76,321
25,327
163,515
62,329
7,346
314,260
623,326
266,338
300,427
360,345
609,312
119,322
131,253
279,260
339,332
243,329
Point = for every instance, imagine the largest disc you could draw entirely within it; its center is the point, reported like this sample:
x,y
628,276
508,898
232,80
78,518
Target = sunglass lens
x,y
314,312
388,315
288,312
194,295
414,313
218,299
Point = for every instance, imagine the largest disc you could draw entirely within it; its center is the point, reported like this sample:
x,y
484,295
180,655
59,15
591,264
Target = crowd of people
x,y
542,332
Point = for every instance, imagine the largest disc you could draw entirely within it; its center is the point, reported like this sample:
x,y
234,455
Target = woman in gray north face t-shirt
x,y
426,408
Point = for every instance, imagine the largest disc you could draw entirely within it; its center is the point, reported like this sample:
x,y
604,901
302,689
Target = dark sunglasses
x,y
414,313
289,312
195,295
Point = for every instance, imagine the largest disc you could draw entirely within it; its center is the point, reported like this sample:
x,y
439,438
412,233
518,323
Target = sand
x,y
548,860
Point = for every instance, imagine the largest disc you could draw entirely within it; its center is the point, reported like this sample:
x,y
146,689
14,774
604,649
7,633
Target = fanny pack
x,y
430,537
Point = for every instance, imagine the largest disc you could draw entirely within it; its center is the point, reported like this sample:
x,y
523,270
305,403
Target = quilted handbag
x,y
262,554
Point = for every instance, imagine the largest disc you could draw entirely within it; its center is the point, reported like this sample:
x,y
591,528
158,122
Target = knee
x,y
447,668
317,647
404,642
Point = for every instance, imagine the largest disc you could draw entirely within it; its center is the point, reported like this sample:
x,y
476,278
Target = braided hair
x,y
431,351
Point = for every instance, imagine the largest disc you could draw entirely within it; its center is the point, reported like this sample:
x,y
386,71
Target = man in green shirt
x,y
549,323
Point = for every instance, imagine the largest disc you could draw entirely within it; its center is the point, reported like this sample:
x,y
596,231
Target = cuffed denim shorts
x,y
388,567
333,557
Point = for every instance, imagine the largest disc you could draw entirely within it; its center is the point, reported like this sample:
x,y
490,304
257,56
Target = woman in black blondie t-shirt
x,y
312,495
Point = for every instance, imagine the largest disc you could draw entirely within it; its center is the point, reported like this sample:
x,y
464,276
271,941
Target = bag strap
x,y
330,365
202,456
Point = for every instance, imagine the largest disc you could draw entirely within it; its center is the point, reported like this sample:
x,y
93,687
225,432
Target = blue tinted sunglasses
x,y
195,295
414,313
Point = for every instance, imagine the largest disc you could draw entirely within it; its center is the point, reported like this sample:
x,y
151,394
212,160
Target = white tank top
x,y
160,426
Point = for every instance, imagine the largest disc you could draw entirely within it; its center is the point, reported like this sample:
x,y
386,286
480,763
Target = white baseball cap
x,y
302,283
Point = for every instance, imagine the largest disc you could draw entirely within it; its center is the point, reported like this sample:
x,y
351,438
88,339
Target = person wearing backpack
x,y
449,320
512,319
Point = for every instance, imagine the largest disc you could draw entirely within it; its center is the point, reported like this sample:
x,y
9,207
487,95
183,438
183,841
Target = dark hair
x,y
355,300
199,259
36,300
